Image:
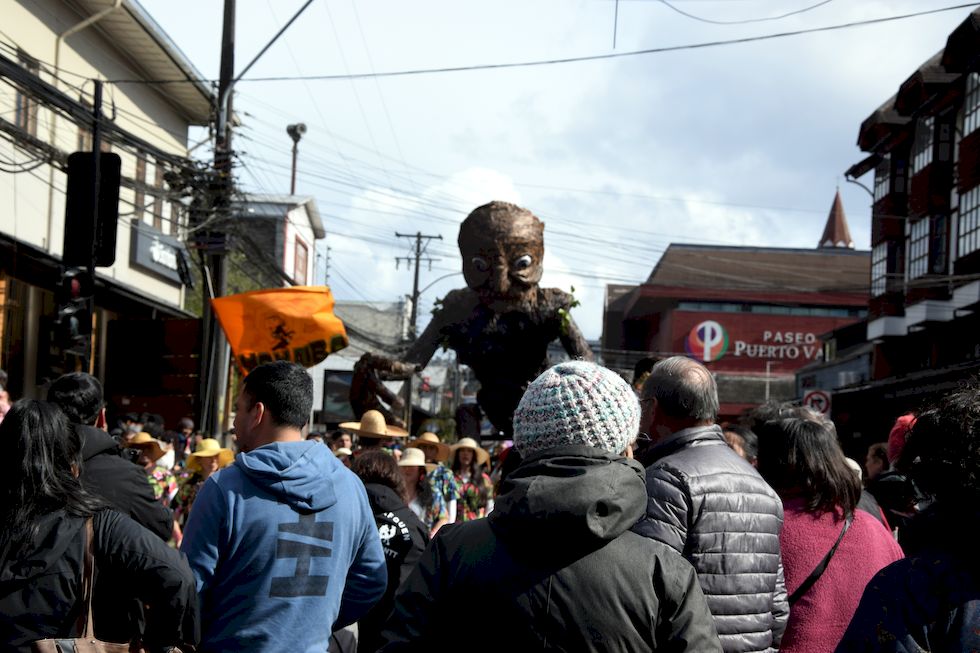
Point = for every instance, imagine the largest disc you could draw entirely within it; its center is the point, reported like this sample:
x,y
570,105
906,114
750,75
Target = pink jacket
x,y
818,620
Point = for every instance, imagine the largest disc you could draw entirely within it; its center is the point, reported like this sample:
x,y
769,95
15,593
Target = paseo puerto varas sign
x,y
710,341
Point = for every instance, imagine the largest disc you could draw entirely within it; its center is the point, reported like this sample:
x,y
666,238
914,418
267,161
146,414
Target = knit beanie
x,y
577,403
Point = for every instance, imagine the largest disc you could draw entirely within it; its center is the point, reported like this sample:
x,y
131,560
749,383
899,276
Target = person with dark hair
x,y
876,461
556,562
830,548
475,486
641,370
930,601
403,537
709,504
427,504
48,518
104,473
282,542
743,441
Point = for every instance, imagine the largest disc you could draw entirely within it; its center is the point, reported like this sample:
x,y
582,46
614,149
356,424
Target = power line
x,y
565,60
744,20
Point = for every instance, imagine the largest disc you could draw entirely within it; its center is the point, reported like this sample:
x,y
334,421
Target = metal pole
x,y
292,181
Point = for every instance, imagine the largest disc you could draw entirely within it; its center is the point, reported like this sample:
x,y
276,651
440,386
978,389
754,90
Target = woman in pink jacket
x,y
830,549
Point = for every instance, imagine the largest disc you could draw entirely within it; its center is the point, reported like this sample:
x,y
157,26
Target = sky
x,y
739,144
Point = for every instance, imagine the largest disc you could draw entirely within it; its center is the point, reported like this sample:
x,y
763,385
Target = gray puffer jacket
x,y
706,502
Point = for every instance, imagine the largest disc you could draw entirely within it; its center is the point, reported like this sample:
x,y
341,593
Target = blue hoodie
x,y
284,548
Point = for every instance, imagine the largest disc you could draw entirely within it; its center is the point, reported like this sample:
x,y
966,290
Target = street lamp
x,y
295,132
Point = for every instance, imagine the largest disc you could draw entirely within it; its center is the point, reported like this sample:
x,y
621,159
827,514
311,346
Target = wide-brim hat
x,y
482,455
415,458
144,440
372,425
432,440
205,449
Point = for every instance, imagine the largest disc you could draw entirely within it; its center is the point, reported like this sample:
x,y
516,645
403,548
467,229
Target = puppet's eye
x,y
523,262
480,264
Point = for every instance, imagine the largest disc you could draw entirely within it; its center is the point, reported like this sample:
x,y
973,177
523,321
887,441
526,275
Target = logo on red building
x,y
707,341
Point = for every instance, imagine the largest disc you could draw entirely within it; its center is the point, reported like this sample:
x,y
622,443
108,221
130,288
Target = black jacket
x,y
403,538
558,568
120,483
40,584
709,504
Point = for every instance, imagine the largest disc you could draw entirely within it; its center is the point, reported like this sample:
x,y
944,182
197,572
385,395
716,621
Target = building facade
x,y
752,315
50,51
924,151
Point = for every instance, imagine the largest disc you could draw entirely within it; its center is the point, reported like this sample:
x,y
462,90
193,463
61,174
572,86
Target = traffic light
x,y
91,237
74,319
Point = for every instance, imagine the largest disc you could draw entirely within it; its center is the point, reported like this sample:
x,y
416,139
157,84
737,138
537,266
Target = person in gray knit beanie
x,y
577,403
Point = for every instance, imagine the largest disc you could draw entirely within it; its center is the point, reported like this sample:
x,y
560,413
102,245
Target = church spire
x,y
836,233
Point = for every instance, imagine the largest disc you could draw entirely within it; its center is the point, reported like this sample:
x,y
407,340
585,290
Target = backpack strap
x,y
818,571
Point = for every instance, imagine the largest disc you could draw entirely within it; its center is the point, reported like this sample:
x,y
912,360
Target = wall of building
x,y
299,231
32,204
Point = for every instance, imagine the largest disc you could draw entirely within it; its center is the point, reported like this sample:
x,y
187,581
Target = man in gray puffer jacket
x,y
709,504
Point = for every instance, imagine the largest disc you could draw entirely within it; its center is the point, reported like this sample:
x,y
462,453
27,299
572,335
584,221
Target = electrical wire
x,y
567,60
744,21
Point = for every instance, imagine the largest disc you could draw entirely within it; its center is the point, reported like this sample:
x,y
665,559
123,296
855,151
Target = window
x,y
158,198
299,265
175,208
971,105
879,269
938,244
25,106
139,195
918,249
883,177
969,222
924,137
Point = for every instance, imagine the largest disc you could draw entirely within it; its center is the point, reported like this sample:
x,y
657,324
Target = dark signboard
x,y
155,252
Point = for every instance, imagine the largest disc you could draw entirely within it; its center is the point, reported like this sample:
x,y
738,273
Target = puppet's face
x,y
502,251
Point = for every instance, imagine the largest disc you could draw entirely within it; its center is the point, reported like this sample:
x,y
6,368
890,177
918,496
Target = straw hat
x,y
372,425
205,449
144,440
482,455
432,440
415,458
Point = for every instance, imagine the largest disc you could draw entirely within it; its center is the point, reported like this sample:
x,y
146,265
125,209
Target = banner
x,y
294,324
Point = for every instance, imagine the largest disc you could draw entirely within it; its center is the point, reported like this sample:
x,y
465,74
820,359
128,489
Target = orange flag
x,y
294,324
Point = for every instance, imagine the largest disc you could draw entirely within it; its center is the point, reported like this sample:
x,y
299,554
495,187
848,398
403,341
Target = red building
x,y
751,314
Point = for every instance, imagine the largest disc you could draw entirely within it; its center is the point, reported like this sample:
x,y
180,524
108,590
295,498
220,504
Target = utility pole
x,y
419,237
214,363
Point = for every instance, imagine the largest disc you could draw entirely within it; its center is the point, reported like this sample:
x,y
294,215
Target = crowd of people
x,y
619,518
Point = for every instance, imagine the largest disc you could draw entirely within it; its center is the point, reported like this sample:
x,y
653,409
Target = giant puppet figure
x,y
501,324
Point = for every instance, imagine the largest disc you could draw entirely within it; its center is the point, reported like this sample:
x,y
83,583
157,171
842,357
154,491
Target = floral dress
x,y
471,505
443,482
432,515
164,484
188,485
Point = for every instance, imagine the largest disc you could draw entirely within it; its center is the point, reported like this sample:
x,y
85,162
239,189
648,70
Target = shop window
x,y
918,249
968,240
924,138
971,105
299,266
26,106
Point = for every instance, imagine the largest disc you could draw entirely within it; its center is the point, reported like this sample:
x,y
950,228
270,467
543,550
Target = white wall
x,y
29,210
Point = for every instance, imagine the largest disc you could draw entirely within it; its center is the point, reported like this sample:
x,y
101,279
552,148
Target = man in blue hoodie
x,y
283,542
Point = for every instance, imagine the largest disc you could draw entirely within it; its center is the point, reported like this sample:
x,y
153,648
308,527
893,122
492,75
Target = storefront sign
x,y
709,341
155,252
